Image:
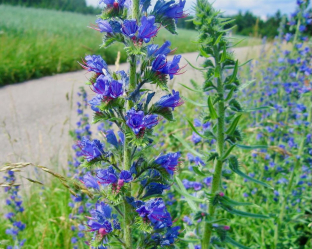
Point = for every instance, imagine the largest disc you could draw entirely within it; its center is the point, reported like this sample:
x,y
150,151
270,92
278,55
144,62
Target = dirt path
x,y
35,116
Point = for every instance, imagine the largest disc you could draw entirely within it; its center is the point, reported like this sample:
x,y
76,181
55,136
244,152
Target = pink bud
x,y
221,194
120,182
226,227
102,231
203,214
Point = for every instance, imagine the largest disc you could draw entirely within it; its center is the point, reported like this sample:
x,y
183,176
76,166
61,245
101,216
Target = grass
x,y
39,42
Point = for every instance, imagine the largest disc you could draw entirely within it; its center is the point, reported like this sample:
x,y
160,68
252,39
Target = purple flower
x,y
288,37
154,188
196,138
138,122
197,186
91,149
172,100
148,29
302,28
170,9
115,89
90,181
153,50
95,63
104,26
107,176
208,180
125,176
129,28
111,138
172,67
95,103
169,161
159,64
155,210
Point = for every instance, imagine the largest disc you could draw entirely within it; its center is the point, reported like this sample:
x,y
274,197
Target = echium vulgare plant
x,y
127,180
15,204
221,118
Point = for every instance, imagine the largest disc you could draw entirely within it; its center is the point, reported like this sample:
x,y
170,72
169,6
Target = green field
x,y
39,42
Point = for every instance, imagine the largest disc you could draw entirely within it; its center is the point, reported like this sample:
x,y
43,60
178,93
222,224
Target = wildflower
x,y
103,26
90,181
153,50
148,29
159,63
168,161
155,210
172,67
138,122
95,63
170,9
107,176
172,100
129,28
100,219
153,188
91,149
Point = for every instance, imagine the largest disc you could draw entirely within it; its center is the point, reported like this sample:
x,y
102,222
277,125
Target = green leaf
x,y
234,74
203,53
227,153
251,147
213,113
229,202
230,94
198,172
218,39
234,166
223,56
187,146
256,109
244,214
193,102
233,126
197,68
234,243
246,84
194,129
198,91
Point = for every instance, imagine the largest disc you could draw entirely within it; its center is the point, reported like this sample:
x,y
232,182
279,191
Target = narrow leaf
x,y
234,74
244,214
213,113
246,84
197,91
230,94
227,153
229,202
218,39
233,126
201,69
194,129
198,172
234,243
193,102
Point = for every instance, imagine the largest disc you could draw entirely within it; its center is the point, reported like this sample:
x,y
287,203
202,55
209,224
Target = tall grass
x,y
40,42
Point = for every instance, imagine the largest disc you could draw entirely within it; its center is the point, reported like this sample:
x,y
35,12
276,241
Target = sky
x,y
261,8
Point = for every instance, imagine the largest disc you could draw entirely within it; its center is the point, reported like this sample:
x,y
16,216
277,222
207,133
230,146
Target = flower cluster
x,y
14,202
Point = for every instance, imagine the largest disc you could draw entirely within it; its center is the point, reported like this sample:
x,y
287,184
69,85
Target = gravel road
x,y
35,116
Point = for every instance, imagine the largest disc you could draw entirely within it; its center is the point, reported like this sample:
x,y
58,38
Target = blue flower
x,y
95,63
125,176
170,9
115,89
145,4
172,67
90,181
148,29
172,100
111,138
104,26
91,149
154,188
95,102
153,50
159,63
169,161
129,28
107,176
155,210
138,122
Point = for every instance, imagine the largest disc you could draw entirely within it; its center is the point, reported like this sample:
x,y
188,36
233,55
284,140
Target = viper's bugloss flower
x,y
148,29
95,102
145,4
104,26
154,188
91,149
153,50
95,63
114,3
168,238
111,138
159,63
107,87
129,28
172,67
125,176
107,176
172,100
288,36
170,9
155,210
169,161
90,181
138,122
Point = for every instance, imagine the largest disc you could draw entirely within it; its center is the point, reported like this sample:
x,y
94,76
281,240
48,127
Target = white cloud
x,y
258,7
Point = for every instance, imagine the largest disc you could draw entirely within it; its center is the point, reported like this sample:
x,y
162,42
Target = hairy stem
x,y
127,149
216,182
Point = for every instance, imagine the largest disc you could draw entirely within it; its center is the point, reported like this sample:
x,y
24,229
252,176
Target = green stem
x,y
127,149
216,182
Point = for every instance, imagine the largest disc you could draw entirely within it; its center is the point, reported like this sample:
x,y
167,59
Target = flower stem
x,y
127,150
216,182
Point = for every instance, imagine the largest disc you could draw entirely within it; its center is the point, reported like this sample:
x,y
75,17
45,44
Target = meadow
x,y
40,42
263,199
